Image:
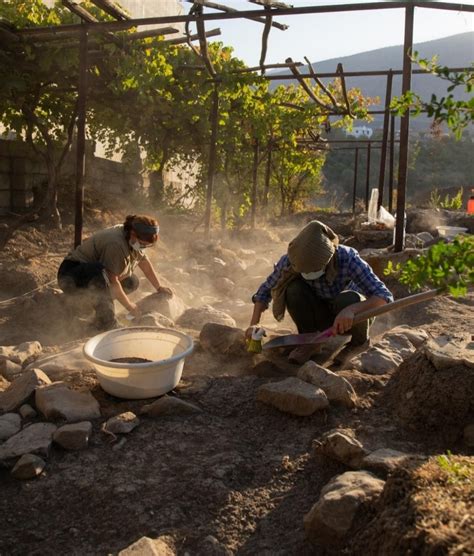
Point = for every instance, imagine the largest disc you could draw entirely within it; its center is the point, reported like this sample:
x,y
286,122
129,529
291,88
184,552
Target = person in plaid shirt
x,y
322,284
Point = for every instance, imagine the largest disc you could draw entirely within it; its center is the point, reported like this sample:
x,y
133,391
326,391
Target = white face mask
x,y
136,246
312,275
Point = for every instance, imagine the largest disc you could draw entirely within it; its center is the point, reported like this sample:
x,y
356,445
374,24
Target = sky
x,y
324,36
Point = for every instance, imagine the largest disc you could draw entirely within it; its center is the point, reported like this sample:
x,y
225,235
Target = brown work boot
x,y
302,354
348,352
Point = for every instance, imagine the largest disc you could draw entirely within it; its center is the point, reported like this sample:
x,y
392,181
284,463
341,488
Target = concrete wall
x,y
22,172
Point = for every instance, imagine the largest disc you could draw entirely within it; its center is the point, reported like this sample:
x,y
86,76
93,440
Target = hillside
x,y
453,51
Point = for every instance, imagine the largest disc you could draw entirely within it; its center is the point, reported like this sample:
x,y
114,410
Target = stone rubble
x,y
336,388
294,396
28,466
10,424
74,436
21,389
35,439
57,401
123,423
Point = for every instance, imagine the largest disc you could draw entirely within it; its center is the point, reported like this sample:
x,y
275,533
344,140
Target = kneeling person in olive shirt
x,y
104,264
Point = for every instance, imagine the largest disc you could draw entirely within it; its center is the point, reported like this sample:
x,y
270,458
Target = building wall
x,y
22,173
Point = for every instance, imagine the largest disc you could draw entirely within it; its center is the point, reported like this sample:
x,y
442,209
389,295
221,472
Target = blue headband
x,y
145,229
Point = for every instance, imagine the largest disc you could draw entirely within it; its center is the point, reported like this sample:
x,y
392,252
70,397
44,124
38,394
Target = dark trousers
x,y
312,313
74,276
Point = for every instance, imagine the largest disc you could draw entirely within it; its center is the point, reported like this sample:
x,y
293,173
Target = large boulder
x,y
333,514
196,318
21,389
294,396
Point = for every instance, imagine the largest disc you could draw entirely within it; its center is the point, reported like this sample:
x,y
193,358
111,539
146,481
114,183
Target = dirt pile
x,y
423,510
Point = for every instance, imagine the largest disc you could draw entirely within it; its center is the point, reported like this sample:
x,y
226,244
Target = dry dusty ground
x,y
240,471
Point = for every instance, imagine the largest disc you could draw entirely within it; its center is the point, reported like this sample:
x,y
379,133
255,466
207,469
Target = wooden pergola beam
x,y
75,8
228,10
183,40
112,9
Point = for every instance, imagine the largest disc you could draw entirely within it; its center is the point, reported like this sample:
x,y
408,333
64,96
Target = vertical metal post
x,y
254,183
212,160
367,177
404,130
268,173
390,163
386,121
356,166
81,137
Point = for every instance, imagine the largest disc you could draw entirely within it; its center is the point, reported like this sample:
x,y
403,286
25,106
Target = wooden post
x,y
356,165
390,163
386,121
404,130
254,183
81,137
367,177
212,159
268,173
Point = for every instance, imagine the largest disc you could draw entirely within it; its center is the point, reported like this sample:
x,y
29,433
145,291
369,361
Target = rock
x,y
416,336
154,319
19,354
147,547
224,285
342,447
333,514
27,412
35,439
222,339
171,307
56,401
4,384
425,238
75,436
468,435
28,466
196,318
294,396
123,423
21,389
210,546
10,424
168,405
335,387
9,369
389,352
378,259
385,460
450,350
64,365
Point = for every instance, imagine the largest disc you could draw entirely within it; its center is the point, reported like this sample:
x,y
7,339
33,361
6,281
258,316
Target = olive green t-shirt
x,y
110,248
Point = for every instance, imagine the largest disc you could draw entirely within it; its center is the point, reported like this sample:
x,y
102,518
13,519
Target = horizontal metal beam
x,y
121,25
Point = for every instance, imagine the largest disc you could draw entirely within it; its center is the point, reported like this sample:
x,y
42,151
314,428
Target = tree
x,y
457,114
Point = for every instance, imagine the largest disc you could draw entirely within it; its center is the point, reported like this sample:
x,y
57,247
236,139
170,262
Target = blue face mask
x,y
312,275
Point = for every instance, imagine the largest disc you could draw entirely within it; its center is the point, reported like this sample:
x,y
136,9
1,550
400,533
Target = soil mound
x,y
423,510
427,399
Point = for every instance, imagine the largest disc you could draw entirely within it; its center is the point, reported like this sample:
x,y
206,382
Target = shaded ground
x,y
239,471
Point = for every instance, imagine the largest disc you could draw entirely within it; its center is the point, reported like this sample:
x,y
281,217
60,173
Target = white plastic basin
x,y
166,349
450,231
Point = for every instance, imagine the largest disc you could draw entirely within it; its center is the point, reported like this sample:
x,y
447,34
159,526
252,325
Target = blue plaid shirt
x,y
353,274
